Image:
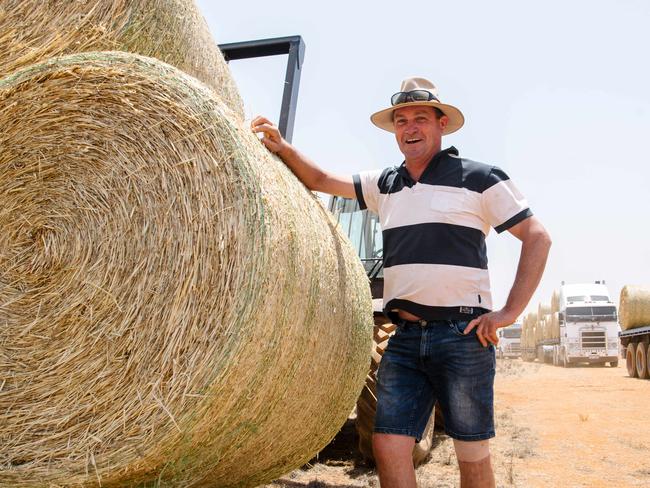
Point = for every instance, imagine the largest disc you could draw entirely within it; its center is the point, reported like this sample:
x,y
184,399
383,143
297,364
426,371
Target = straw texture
x,y
176,308
634,307
170,30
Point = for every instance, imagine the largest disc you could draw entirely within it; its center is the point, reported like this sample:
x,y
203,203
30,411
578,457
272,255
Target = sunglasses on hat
x,y
412,96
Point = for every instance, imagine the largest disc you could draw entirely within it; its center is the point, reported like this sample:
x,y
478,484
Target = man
x,y
435,210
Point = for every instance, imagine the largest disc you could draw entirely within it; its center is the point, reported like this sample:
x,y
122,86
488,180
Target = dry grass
x,y
176,307
341,465
170,30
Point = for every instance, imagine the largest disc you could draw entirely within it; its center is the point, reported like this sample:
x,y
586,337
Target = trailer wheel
x,y
647,356
630,360
613,364
641,361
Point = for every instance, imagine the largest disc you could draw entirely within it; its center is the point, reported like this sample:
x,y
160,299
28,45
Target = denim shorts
x,y
423,364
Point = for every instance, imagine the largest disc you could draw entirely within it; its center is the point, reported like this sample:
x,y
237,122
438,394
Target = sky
x,y
556,93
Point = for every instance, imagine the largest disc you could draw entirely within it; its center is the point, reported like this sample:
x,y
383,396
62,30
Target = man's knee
x,y
471,451
392,446
475,464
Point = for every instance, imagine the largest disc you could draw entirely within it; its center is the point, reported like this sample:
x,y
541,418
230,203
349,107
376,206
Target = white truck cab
x,y
509,341
588,325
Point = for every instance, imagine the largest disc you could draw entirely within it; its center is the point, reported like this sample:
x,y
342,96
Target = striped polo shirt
x,y
434,230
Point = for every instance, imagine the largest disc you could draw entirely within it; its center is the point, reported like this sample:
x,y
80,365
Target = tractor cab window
x,y
363,230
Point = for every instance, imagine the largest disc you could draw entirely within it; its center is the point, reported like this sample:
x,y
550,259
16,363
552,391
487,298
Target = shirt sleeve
x,y
502,203
367,189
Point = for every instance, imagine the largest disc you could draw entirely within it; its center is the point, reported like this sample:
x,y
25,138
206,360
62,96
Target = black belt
x,y
419,322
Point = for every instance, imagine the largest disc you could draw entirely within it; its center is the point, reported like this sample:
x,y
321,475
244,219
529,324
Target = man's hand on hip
x,y
487,324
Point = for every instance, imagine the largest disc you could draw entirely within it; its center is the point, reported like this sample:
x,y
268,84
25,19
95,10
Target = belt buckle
x,y
422,323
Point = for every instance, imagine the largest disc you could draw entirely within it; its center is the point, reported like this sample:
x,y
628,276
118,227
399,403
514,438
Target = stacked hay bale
x,y
540,330
543,310
529,330
554,331
555,301
177,308
525,332
173,31
634,307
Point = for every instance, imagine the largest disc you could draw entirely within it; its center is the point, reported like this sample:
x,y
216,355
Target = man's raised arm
x,y
311,175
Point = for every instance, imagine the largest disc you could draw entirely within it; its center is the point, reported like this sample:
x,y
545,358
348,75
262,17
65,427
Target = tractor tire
x,y
367,402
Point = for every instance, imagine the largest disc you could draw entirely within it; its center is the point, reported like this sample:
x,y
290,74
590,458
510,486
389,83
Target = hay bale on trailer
x,y
176,307
543,310
634,307
173,31
555,301
555,326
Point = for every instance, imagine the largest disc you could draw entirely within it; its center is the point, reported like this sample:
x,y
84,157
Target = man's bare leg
x,y
394,458
475,464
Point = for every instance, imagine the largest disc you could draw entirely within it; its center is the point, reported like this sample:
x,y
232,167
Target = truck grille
x,y
514,347
593,339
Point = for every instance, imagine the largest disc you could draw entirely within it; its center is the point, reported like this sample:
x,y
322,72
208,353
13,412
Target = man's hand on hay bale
x,y
487,324
271,136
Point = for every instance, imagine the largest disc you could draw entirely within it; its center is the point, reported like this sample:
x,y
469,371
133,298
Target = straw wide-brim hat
x,y
384,118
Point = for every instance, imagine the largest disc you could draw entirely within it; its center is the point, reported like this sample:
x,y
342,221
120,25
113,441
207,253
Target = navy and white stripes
x,y
434,230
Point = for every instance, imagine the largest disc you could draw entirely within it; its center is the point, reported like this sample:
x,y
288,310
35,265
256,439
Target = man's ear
x,y
444,120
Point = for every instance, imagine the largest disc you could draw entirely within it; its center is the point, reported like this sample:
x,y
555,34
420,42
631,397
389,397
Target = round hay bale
x,y
555,326
539,331
543,310
173,31
555,301
634,306
176,307
524,332
548,324
530,324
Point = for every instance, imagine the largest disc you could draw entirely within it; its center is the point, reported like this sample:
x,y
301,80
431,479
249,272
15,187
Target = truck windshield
x,y
585,314
588,298
511,333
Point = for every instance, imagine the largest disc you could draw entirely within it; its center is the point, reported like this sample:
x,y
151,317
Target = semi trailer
x,y
635,333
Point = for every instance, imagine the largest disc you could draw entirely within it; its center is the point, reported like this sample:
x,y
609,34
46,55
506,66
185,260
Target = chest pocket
x,y
448,200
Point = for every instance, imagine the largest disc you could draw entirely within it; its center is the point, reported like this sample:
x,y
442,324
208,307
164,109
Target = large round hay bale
x,y
173,31
634,307
176,307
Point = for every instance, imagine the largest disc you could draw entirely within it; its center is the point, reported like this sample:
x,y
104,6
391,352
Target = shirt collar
x,y
403,172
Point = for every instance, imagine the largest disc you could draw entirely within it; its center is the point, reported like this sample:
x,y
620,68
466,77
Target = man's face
x,y
418,131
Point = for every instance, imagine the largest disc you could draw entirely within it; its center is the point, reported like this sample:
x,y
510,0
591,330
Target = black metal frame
x,y
294,46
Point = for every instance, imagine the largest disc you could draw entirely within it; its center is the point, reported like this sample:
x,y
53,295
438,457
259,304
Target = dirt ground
x,y
578,427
